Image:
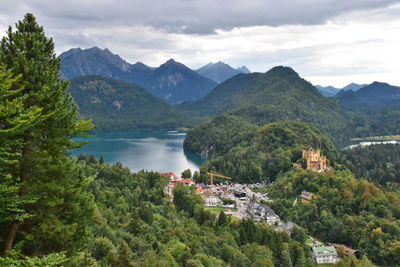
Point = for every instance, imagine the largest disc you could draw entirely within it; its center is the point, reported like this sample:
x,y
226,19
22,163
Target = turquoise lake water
x,y
152,150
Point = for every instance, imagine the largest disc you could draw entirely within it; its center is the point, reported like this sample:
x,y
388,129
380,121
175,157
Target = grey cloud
x,y
195,16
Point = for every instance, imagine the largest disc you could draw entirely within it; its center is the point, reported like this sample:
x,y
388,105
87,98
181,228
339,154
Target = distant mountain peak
x,y
283,70
218,72
379,83
375,94
171,60
243,69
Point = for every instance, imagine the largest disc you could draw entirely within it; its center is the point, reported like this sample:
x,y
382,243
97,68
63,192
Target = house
x,y
170,188
306,196
346,250
325,255
210,199
186,181
262,212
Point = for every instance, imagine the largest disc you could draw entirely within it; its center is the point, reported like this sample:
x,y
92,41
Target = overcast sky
x,y
329,42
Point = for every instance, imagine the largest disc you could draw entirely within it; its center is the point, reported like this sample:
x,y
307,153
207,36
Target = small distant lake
x,y
152,150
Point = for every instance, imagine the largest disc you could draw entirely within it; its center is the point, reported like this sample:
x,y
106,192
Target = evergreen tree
x,y
222,219
124,256
13,121
43,170
285,258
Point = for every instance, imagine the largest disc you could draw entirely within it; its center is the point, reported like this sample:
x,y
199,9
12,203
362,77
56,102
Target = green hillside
x,y
216,136
116,105
279,94
271,151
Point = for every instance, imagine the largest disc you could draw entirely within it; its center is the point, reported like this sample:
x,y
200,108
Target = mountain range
x,y
256,98
331,91
220,71
171,81
376,94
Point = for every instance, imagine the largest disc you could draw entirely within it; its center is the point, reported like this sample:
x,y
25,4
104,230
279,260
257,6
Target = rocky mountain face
x,y
172,81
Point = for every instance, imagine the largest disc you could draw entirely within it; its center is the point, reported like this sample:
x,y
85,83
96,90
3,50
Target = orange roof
x,y
200,190
186,181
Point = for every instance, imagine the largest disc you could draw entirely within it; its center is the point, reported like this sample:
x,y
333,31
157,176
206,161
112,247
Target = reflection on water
x,y
159,150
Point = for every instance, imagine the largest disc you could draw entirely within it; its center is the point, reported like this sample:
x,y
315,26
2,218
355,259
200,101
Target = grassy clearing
x,y
216,210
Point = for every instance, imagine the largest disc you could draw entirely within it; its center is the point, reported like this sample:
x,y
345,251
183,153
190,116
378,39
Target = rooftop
x,y
324,251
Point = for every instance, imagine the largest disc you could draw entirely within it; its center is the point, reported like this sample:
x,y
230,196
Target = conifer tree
x,y
124,256
43,169
13,121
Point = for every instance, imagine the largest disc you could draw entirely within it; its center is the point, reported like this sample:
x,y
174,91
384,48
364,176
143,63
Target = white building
x,y
325,255
211,199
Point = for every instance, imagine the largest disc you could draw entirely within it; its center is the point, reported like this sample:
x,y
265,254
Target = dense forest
x,y
346,210
218,135
376,163
260,155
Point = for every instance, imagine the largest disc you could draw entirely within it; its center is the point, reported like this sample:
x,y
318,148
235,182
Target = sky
x,y
328,42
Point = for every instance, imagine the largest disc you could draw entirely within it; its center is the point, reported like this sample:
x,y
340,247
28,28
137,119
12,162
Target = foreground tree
x,y
13,121
42,170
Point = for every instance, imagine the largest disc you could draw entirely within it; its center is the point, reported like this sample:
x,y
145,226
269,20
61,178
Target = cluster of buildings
x,y
239,200
242,202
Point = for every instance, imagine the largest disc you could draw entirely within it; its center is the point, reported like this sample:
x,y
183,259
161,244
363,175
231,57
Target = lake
x,y
152,150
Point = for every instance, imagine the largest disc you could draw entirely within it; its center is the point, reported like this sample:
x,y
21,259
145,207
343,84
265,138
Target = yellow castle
x,y
315,161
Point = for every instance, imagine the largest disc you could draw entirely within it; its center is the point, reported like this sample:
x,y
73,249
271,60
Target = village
x,y
242,201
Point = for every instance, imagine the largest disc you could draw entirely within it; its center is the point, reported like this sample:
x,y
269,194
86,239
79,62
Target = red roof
x,y
186,181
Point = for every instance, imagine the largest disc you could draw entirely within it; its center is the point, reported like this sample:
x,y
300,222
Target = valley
x,y
104,163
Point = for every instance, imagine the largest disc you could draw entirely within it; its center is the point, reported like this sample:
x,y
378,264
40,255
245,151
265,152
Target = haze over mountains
x,y
377,94
331,91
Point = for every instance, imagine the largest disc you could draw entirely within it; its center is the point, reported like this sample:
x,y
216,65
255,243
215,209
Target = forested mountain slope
x,y
260,155
279,94
116,105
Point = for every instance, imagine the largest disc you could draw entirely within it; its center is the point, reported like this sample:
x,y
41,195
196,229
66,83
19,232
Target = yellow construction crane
x,y
212,174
